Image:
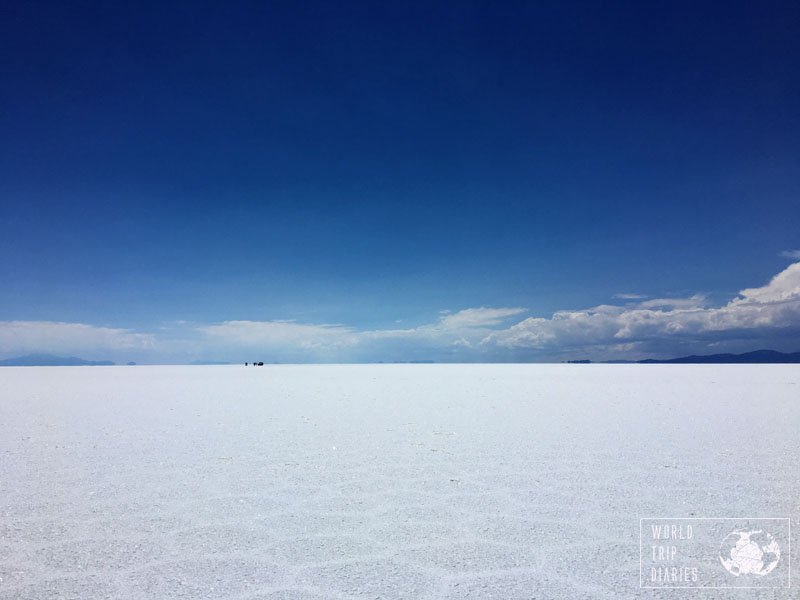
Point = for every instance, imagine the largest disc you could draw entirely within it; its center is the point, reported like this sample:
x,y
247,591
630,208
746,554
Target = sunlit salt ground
x,y
384,481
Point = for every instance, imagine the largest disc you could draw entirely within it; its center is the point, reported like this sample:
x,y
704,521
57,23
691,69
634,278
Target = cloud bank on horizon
x,y
639,328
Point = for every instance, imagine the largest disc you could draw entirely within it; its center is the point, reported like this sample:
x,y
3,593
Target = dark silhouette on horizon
x,y
763,357
51,360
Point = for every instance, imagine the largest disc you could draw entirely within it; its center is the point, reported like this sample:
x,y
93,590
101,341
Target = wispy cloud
x,y
793,254
695,301
282,340
57,337
270,334
478,317
291,340
469,321
629,296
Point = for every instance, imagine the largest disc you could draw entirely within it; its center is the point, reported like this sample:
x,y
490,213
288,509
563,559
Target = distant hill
x,y
755,357
49,360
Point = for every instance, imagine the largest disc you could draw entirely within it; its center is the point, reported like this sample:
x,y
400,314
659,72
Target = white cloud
x,y
784,286
793,254
663,325
629,296
20,337
756,312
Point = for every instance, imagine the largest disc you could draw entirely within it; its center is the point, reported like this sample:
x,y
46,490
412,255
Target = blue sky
x,y
395,181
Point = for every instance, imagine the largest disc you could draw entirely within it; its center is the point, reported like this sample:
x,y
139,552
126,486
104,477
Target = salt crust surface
x,y
378,481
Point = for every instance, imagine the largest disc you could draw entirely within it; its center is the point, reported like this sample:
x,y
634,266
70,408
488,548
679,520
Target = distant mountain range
x,y
755,357
49,360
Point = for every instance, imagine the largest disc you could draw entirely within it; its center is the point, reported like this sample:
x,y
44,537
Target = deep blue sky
x,y
375,163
